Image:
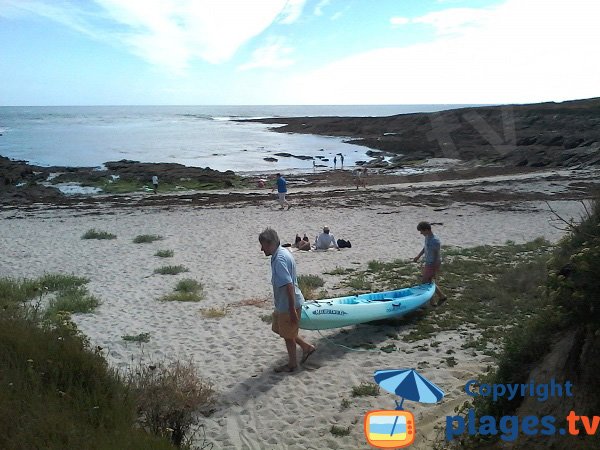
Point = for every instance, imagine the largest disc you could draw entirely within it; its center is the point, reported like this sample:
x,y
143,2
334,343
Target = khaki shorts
x,y
283,326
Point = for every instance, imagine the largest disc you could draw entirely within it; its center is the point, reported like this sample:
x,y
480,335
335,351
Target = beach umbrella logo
x,y
396,428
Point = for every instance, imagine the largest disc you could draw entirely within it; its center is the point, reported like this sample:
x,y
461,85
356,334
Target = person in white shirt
x,y
325,240
155,183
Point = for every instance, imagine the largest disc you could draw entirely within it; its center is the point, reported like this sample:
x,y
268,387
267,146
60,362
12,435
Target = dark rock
x,y
528,140
270,159
547,127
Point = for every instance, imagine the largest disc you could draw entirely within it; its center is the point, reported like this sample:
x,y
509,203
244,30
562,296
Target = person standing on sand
x,y
432,260
342,160
155,183
334,162
281,186
287,299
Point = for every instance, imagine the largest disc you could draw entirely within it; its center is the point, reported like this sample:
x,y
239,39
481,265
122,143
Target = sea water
x,y
201,136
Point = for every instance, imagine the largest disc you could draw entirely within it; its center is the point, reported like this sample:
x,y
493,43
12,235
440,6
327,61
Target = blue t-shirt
x,y
432,250
283,272
281,185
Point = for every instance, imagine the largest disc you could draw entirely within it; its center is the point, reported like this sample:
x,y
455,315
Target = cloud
x,y
399,20
448,21
291,11
168,33
318,11
510,53
273,55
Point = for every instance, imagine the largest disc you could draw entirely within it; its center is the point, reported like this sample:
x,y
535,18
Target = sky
x,y
297,52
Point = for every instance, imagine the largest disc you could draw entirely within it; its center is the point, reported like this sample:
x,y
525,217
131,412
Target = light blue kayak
x,y
344,311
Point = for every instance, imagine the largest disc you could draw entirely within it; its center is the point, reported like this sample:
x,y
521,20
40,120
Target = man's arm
x,y
291,292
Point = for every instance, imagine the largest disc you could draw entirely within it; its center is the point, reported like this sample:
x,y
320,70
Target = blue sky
x,y
237,52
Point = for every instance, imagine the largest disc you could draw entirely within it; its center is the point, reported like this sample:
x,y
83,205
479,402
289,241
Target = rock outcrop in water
x,y
19,181
536,135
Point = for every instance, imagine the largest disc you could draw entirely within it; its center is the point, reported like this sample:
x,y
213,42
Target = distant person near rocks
x,y
360,177
334,162
155,183
281,186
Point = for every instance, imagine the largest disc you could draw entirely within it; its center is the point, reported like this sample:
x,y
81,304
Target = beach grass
x,y
267,318
164,253
339,431
63,393
72,300
92,233
128,185
186,290
215,313
139,338
146,238
171,270
490,300
308,284
169,397
365,390
339,271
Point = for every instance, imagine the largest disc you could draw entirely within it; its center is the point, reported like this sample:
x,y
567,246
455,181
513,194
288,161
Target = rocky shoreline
x,y
514,138
537,135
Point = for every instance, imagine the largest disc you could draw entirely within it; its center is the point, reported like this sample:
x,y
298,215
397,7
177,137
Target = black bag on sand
x,y
343,244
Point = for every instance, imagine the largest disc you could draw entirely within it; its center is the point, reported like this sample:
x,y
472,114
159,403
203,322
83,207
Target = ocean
x,y
201,136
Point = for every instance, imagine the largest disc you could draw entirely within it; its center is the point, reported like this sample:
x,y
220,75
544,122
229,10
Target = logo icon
x,y
389,429
396,428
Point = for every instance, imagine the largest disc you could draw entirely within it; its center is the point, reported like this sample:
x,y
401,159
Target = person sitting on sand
x,y
287,298
302,244
325,240
433,259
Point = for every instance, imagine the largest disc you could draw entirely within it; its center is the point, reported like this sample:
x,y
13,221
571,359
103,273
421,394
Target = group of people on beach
x,y
323,241
288,298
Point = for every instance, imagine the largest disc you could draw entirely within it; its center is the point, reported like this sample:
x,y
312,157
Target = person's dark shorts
x,y
429,272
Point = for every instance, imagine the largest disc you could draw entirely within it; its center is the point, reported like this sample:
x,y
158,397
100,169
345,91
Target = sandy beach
x,y
257,408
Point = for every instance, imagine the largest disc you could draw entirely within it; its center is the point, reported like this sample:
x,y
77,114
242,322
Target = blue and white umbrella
x,y
408,384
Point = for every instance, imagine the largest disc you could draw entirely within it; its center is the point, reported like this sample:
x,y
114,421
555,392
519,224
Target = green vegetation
x,y
72,300
94,234
365,389
308,285
164,253
345,404
146,238
339,271
139,338
491,301
171,270
339,431
64,394
127,185
567,309
187,290
268,318
169,397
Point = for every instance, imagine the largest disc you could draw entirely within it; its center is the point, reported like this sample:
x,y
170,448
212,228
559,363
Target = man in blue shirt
x,y
281,190
433,259
287,297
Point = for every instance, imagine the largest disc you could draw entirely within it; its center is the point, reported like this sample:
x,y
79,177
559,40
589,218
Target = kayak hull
x,y
354,309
